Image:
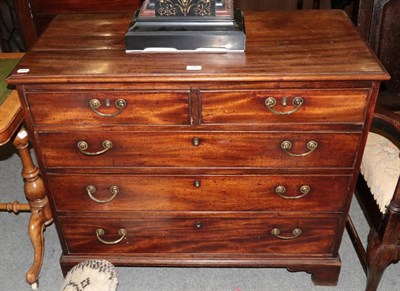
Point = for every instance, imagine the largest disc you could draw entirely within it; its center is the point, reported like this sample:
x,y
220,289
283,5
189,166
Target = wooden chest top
x,y
281,46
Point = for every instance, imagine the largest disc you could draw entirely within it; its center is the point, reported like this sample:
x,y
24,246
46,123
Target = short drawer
x,y
199,149
109,107
257,234
270,106
101,192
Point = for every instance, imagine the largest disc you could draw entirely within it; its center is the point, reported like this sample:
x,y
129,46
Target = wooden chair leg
x,y
40,210
379,257
357,244
316,4
299,4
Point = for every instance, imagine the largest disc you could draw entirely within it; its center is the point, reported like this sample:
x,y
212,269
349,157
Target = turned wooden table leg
x,y
40,210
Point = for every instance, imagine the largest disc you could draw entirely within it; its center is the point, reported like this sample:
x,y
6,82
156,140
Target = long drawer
x,y
199,149
258,234
109,107
101,192
264,106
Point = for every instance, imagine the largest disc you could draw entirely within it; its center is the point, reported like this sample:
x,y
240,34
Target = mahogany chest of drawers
x,y
249,160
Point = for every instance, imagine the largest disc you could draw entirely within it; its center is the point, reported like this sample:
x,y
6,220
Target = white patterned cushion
x,y
91,275
380,167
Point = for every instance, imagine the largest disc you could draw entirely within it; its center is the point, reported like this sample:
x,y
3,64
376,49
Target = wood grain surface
x,y
284,45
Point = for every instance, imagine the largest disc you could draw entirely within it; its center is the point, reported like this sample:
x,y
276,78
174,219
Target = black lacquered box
x,y
187,25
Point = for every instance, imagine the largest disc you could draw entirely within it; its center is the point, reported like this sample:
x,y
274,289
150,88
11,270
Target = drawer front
x,y
103,192
199,149
92,108
275,235
283,106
